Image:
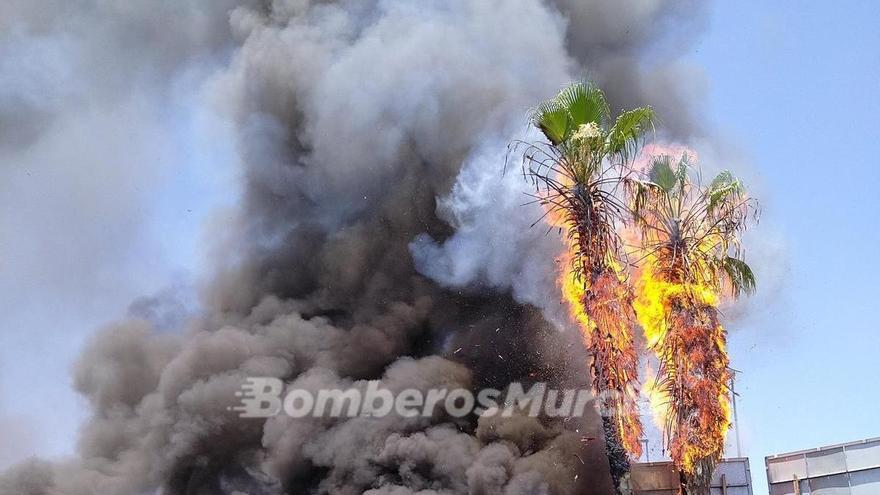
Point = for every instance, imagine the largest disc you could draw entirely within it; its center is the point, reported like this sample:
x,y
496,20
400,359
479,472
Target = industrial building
x,y
845,469
732,477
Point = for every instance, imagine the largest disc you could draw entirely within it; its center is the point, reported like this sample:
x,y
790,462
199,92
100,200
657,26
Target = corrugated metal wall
x,y
848,469
660,478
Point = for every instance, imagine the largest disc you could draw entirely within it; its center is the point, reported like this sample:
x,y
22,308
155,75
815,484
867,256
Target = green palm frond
x,y
740,275
585,103
628,129
662,174
553,120
576,105
724,178
723,186
682,172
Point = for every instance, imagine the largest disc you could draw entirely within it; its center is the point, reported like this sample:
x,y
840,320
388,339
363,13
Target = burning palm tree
x,y
691,256
577,177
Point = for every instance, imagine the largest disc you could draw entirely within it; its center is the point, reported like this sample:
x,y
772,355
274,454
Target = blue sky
x,y
794,87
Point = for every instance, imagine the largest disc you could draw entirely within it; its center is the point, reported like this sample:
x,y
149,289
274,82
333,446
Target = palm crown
x,y
691,231
578,122
580,171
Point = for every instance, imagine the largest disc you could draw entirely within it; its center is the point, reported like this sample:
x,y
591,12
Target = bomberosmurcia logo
x,y
264,397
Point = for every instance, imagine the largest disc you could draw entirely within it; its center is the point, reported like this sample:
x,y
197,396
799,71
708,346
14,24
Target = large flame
x,y
682,328
688,394
600,306
676,304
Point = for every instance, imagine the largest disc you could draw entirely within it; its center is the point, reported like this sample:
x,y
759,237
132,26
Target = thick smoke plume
x,y
341,265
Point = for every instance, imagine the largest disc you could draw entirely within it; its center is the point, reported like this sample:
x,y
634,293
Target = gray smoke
x,y
341,265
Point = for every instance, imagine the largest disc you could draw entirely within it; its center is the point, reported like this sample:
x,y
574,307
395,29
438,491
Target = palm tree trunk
x,y
615,368
694,371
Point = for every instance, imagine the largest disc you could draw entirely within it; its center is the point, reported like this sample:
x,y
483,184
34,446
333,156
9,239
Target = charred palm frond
x,y
577,178
690,255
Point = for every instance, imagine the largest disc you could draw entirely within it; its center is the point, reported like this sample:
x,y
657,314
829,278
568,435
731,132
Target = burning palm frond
x,y
577,178
690,255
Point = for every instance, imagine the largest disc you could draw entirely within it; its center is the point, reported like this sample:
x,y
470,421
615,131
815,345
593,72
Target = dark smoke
x,y
352,119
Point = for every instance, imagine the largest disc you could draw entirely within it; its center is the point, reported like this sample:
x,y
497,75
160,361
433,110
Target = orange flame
x,y
606,334
680,321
